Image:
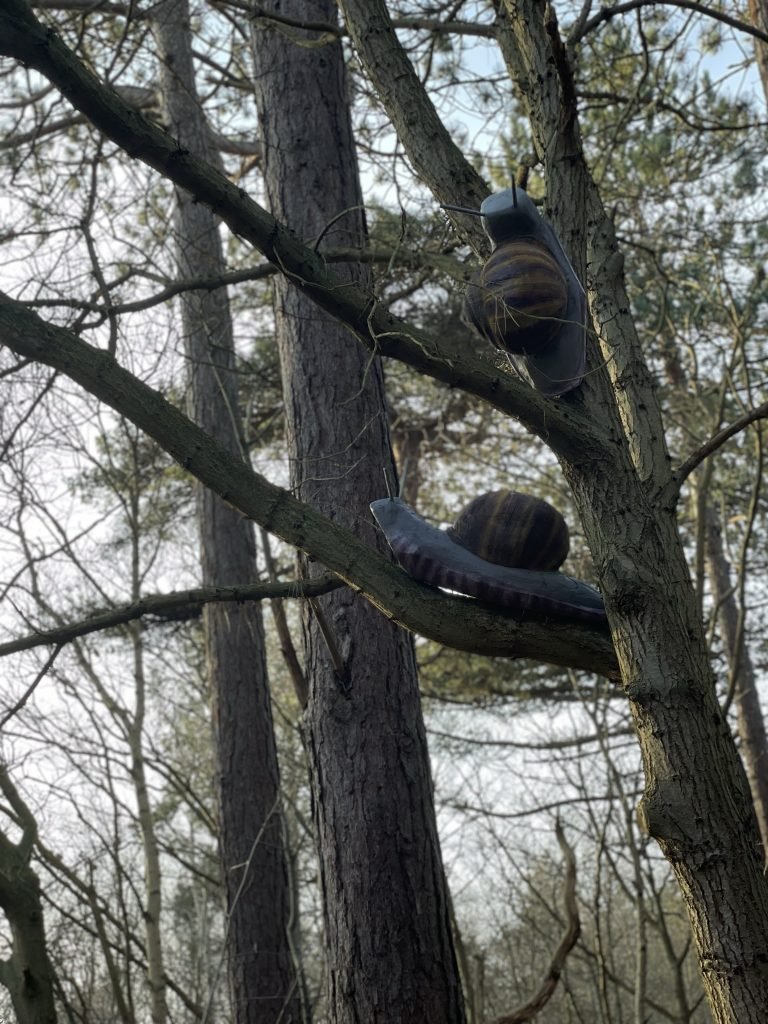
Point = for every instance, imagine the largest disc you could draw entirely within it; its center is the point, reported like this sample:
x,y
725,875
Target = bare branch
x,y
326,28
456,622
30,689
568,941
166,604
440,261
717,441
607,13
569,432
24,817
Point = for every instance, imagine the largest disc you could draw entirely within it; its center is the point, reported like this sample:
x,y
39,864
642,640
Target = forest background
x,y
220,799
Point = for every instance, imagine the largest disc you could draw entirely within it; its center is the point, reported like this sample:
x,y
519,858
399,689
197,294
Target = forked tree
x,y
608,435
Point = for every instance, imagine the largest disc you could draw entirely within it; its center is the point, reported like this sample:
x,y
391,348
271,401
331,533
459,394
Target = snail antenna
x,y
514,194
461,209
387,481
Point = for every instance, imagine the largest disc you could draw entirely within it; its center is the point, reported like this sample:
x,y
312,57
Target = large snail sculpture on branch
x,y
505,549
527,300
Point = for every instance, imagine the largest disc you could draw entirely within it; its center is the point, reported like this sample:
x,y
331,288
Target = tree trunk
x,y
263,974
749,715
27,973
696,801
390,955
609,436
153,902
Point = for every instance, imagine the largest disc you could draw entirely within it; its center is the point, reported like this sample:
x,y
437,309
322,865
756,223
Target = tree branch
x,y
570,433
435,156
165,604
425,258
715,442
567,942
456,622
19,704
607,13
453,27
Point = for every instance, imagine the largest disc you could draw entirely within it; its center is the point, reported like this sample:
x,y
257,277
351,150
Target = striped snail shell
x,y
432,556
519,299
527,299
513,529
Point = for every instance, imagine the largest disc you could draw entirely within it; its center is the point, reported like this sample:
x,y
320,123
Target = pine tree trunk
x,y
390,955
263,976
697,802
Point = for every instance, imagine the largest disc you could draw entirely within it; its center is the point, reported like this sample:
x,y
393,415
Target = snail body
x,y
431,556
527,299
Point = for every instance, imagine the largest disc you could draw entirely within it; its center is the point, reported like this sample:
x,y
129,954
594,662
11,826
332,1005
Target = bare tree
x,y
608,436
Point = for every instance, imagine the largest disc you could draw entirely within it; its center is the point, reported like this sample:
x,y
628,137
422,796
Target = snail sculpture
x,y
527,299
505,548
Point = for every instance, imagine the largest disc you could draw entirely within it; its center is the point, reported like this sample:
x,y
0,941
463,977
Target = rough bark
x,y
390,954
757,11
262,972
696,801
27,973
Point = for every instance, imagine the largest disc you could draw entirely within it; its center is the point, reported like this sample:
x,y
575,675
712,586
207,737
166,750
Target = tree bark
x,y
27,973
456,622
262,971
390,953
696,801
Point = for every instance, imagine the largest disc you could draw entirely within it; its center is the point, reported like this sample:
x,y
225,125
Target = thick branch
x,y
459,28
453,27
27,973
455,622
435,156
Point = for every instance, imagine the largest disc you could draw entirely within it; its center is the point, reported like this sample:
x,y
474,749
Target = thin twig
x,y
567,942
30,689
607,13
164,604
717,441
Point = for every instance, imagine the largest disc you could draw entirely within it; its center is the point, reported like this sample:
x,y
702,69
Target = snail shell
x,y
513,529
431,556
519,299
527,299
